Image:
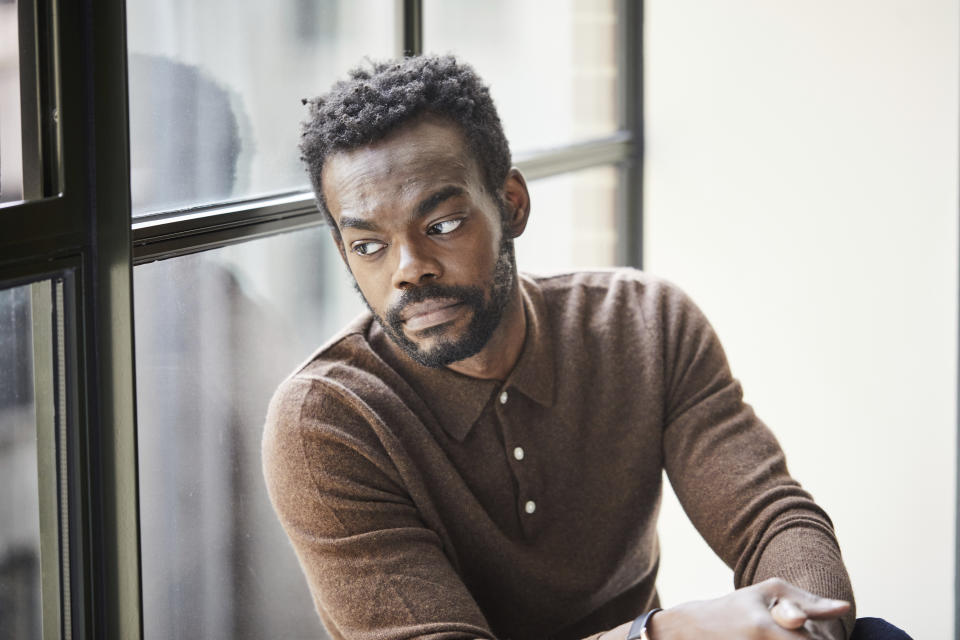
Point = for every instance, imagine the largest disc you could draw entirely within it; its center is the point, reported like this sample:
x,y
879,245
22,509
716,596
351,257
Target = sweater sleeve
x,y
729,472
374,570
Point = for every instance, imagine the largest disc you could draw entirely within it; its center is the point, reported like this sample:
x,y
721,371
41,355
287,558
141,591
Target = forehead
x,y
415,160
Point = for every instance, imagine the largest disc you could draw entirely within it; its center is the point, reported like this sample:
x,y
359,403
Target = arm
x,y
729,472
372,567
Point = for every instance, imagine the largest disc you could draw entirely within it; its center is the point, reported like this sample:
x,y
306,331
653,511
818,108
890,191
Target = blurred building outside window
x,y
219,84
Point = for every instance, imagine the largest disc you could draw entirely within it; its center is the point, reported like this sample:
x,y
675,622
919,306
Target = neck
x,y
498,357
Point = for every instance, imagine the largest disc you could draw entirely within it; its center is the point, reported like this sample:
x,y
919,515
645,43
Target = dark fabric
x,y
877,629
422,502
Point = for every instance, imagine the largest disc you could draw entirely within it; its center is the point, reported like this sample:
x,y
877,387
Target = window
x,y
29,123
158,152
561,97
11,154
32,459
217,118
217,333
574,221
551,90
20,611
70,557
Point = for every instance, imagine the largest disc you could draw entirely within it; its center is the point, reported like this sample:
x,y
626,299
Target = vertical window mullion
x,y
46,350
412,27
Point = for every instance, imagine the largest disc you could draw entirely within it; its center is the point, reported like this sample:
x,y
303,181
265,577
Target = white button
x,y
503,397
518,453
530,507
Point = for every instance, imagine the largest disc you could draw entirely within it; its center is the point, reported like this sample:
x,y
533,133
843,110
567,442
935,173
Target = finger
x,y
823,608
814,606
787,614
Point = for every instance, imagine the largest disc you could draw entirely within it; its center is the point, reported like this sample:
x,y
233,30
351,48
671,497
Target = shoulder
x,y
617,279
325,415
348,347
326,393
614,295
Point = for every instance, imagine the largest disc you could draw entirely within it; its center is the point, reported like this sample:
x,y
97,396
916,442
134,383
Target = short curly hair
x,y
382,96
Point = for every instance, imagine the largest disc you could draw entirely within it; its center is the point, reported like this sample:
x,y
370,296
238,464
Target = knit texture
x,y
421,502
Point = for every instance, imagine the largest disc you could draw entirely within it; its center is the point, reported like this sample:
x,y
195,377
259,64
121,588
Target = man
x,y
481,455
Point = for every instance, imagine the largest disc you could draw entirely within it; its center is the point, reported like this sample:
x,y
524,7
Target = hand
x,y
771,610
790,615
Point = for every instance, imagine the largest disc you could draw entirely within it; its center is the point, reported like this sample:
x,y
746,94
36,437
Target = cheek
x,y
476,255
373,286
493,250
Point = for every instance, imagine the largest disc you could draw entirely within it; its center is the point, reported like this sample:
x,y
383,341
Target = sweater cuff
x,y
809,559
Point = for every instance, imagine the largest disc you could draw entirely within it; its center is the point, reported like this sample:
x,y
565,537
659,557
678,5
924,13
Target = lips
x,y
429,313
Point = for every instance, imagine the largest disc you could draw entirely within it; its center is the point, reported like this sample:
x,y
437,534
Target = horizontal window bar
x,y
219,214
584,155
176,233
190,231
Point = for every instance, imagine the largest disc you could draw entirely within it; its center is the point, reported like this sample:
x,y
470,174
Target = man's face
x,y
423,239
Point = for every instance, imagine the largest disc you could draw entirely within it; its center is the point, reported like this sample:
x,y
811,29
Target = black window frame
x,y
76,225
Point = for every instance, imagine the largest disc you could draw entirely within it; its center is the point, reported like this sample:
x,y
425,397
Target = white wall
x,y
802,186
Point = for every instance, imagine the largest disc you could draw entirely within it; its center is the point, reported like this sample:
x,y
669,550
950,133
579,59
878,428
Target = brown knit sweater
x,y
426,503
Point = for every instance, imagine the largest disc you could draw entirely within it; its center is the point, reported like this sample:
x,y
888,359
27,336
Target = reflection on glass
x,y
573,222
216,333
552,67
11,153
20,600
215,90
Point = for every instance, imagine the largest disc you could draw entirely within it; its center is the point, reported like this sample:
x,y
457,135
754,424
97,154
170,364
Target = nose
x,y
415,265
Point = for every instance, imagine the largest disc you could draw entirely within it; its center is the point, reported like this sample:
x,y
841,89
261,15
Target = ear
x,y
518,202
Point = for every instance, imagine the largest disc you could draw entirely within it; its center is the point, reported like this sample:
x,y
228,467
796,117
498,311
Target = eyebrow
x,y
434,200
424,207
357,223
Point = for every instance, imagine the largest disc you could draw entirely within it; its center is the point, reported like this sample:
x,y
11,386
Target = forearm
x,y
809,558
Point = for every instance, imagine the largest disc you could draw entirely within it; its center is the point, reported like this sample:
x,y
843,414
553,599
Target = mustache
x,y
462,294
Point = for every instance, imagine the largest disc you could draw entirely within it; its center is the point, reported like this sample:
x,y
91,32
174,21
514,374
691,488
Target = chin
x,y
440,352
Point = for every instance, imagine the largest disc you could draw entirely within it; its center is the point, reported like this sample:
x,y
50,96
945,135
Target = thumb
x,y
787,614
819,608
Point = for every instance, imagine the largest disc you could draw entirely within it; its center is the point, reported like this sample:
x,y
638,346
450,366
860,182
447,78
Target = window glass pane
x,y
11,153
216,333
20,596
573,222
215,90
552,67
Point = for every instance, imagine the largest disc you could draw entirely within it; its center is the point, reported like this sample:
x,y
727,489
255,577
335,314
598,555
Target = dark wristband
x,y
638,630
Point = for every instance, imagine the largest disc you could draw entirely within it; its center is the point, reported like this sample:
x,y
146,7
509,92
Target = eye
x,y
367,247
445,226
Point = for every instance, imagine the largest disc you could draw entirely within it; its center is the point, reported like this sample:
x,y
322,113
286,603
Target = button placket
x,y
526,497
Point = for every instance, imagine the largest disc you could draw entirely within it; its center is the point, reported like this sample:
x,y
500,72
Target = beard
x,y
488,307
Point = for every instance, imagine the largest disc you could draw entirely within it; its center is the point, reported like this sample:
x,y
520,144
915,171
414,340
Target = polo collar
x,y
533,375
457,400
